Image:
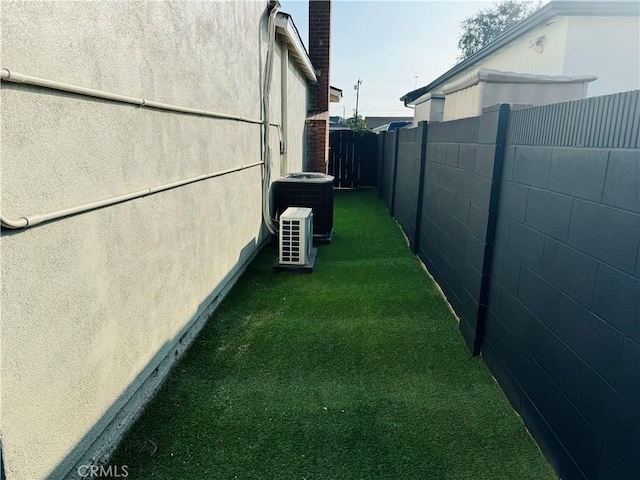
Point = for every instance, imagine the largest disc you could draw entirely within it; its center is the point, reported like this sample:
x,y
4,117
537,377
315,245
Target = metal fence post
x,y
485,285
381,166
395,173
423,161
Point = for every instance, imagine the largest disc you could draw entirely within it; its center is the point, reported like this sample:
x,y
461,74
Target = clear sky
x,y
387,44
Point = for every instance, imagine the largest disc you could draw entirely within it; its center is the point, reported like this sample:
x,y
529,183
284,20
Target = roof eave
x,y
286,27
424,97
487,75
334,93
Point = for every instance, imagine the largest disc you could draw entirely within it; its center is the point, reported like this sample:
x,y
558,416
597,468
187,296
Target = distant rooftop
x,y
373,122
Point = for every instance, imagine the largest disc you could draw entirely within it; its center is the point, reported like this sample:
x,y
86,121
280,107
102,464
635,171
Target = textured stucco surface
x,y
517,57
520,57
430,111
92,303
469,102
464,103
296,134
607,47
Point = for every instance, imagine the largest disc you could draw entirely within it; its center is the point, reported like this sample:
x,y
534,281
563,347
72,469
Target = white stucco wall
x,y
92,303
532,93
431,110
517,57
296,131
520,57
421,112
469,102
608,47
464,103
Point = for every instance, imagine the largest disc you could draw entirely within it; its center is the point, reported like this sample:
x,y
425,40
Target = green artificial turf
x,y
357,371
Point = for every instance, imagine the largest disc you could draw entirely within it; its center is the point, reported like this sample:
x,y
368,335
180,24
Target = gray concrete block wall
x,y
408,179
379,159
388,166
463,131
561,248
457,188
564,323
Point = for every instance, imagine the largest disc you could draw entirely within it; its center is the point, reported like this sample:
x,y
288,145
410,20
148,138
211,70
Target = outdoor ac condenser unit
x,y
308,189
296,236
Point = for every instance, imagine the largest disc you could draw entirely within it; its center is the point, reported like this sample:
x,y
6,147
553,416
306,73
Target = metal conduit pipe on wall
x,y
16,77
284,105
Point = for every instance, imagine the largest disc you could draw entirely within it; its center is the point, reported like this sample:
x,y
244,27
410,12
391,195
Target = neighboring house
x,y
96,306
550,56
335,95
391,123
387,127
337,123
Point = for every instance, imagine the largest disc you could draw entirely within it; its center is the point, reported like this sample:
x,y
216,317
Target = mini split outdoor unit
x,y
296,236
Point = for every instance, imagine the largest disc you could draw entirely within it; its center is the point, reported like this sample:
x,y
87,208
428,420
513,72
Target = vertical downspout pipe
x,y
268,75
284,105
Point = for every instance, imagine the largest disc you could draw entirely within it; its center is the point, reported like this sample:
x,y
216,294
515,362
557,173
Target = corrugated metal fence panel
x,y
611,121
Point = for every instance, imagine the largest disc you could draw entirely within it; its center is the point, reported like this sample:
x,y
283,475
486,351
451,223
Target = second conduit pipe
x,y
31,220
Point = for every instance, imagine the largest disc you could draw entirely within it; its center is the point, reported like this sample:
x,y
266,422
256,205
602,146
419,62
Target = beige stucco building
x,y
96,306
566,50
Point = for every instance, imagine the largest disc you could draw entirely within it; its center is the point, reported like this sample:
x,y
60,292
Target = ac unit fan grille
x,y
296,236
290,231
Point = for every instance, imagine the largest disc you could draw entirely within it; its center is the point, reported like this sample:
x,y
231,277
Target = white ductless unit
x,y
296,236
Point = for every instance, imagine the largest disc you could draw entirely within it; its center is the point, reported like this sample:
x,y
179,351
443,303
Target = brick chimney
x,y
318,115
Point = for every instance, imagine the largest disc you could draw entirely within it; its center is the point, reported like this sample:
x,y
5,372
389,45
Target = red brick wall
x,y
318,143
319,53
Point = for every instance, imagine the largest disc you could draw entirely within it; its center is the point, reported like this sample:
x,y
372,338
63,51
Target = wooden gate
x,y
352,159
